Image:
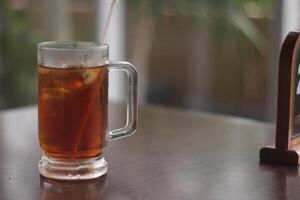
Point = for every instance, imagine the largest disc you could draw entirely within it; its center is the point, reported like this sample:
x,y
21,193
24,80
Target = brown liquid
x,y
73,111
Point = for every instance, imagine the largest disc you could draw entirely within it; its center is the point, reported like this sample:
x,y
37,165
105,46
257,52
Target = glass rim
x,y
71,46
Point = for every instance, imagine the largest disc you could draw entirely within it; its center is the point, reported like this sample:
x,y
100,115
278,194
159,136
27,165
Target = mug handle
x,y
131,121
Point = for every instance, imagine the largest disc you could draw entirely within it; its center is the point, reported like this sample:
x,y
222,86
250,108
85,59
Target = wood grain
x,y
174,155
284,103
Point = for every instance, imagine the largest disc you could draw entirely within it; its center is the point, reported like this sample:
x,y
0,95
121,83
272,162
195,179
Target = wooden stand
x,y
274,155
287,144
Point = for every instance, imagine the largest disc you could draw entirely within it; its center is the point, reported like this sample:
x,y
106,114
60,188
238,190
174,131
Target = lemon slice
x,y
90,75
43,70
48,93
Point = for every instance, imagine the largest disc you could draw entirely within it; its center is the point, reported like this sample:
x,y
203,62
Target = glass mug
x,y
73,105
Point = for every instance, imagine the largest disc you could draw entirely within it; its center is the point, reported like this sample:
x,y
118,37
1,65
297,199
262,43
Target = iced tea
x,y
73,111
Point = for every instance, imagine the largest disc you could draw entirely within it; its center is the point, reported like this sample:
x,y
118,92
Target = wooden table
x,y
174,155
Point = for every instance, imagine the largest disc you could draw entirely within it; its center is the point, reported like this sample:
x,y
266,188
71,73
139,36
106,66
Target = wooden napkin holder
x,y
287,142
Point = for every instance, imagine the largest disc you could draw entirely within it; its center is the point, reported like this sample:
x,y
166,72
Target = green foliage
x,y
18,44
199,6
17,59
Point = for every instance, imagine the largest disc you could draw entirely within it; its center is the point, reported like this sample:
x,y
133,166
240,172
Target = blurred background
x,y
214,55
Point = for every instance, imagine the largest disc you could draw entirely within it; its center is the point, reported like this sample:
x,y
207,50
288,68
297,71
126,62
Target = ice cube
x,y
54,93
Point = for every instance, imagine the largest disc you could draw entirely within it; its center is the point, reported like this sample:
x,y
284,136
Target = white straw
x,y
112,5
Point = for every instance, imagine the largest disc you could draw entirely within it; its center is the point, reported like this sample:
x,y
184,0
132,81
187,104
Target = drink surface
x,y
72,112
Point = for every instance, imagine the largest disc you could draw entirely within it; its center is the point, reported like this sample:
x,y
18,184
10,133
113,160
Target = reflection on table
x,y
76,190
